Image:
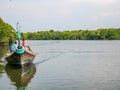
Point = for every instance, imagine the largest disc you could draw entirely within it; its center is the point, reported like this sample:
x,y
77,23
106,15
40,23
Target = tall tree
x,y
6,31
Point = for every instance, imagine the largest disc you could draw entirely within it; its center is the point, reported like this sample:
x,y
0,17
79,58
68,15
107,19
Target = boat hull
x,y
20,60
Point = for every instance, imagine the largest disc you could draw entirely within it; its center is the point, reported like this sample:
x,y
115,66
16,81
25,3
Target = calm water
x,y
67,65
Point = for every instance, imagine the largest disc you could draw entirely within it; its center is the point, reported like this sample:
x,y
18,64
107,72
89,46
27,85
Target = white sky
x,y
40,15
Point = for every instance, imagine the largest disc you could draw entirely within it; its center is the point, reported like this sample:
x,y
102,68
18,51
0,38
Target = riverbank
x,y
3,50
3,44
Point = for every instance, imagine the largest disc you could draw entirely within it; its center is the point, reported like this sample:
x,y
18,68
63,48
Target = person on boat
x,y
10,44
23,42
14,46
27,48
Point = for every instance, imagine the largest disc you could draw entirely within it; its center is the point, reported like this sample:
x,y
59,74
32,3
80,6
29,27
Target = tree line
x,y
7,31
99,34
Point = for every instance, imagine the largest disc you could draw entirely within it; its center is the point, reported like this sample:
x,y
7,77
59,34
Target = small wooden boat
x,y
21,59
20,76
22,55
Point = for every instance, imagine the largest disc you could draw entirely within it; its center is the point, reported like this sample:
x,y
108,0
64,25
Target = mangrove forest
x,y
99,34
7,31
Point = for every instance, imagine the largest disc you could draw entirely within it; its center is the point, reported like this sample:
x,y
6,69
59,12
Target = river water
x,y
67,65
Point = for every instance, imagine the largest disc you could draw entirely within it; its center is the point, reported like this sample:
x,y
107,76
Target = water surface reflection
x,y
3,51
20,76
67,65
1,70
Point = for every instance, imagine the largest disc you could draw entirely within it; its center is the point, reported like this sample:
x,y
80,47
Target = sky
x,y
59,15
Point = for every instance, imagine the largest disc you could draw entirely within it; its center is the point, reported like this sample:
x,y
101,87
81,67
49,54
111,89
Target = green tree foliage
x,y
99,34
6,31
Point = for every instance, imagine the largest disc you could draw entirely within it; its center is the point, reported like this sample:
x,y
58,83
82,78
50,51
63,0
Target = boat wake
x,y
47,59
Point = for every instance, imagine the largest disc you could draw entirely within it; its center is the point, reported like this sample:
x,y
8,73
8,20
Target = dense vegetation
x,y
99,34
6,31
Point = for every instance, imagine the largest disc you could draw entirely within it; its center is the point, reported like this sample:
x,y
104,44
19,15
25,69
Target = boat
x,y
20,77
21,60
22,55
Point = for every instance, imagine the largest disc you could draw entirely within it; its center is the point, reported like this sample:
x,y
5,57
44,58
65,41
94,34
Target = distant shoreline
x,y
99,34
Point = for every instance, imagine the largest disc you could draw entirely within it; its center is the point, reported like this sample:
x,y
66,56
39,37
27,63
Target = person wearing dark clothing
x,y
10,44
